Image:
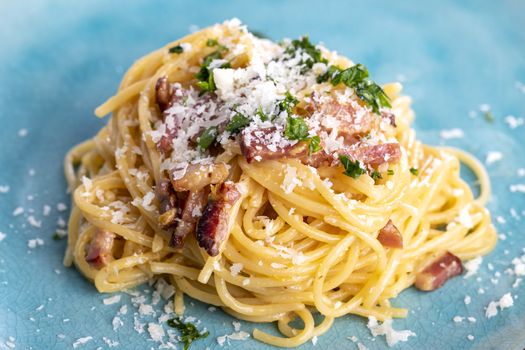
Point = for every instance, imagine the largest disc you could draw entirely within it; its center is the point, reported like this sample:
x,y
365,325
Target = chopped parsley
x,y
414,171
205,78
296,129
207,137
376,175
350,76
189,333
288,103
57,236
352,168
261,114
176,49
489,116
304,46
237,123
315,144
390,172
212,42
328,75
356,77
373,95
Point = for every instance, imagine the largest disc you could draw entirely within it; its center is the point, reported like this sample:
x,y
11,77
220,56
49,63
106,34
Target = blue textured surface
x,y
60,59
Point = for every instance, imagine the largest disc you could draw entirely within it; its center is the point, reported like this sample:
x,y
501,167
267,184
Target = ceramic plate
x,y
60,59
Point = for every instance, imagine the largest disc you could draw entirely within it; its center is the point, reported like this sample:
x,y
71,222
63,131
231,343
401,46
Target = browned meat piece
x,y
99,250
168,207
198,176
164,145
391,117
213,226
350,124
258,145
389,236
163,93
376,155
438,272
192,211
371,156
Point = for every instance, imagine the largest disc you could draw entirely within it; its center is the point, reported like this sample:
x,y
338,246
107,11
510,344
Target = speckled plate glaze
x,y
60,59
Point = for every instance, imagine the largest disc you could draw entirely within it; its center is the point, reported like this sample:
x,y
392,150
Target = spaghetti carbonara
x,y
275,181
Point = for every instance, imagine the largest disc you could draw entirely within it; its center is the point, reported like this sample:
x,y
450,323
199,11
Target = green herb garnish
x,y
351,77
304,45
373,95
261,114
376,175
356,77
176,49
207,84
237,123
352,168
315,144
414,171
207,137
390,172
288,103
489,116
296,129
205,78
57,236
189,333
328,75
212,42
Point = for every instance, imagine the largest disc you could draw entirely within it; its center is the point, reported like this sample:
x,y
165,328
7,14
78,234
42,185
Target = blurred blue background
x,y
60,59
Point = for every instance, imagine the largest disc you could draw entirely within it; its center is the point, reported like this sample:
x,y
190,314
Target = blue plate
x,y
60,59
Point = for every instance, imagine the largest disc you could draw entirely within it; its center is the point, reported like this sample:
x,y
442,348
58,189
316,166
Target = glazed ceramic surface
x,y
60,59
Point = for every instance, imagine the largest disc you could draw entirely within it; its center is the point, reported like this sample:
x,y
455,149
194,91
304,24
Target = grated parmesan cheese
x,y
33,243
517,188
236,268
18,211
156,332
514,122
451,134
392,336
82,341
111,300
290,180
472,266
493,156
504,302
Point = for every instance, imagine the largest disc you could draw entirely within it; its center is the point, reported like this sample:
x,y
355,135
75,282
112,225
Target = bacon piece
x,y
351,120
192,210
163,93
375,155
213,227
391,117
198,176
99,250
165,143
371,156
259,145
438,272
389,236
168,207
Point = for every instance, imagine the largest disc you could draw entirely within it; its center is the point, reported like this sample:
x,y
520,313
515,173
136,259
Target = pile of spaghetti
x,y
272,180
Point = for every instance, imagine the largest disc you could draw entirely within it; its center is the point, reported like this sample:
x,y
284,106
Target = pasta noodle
x,y
300,239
